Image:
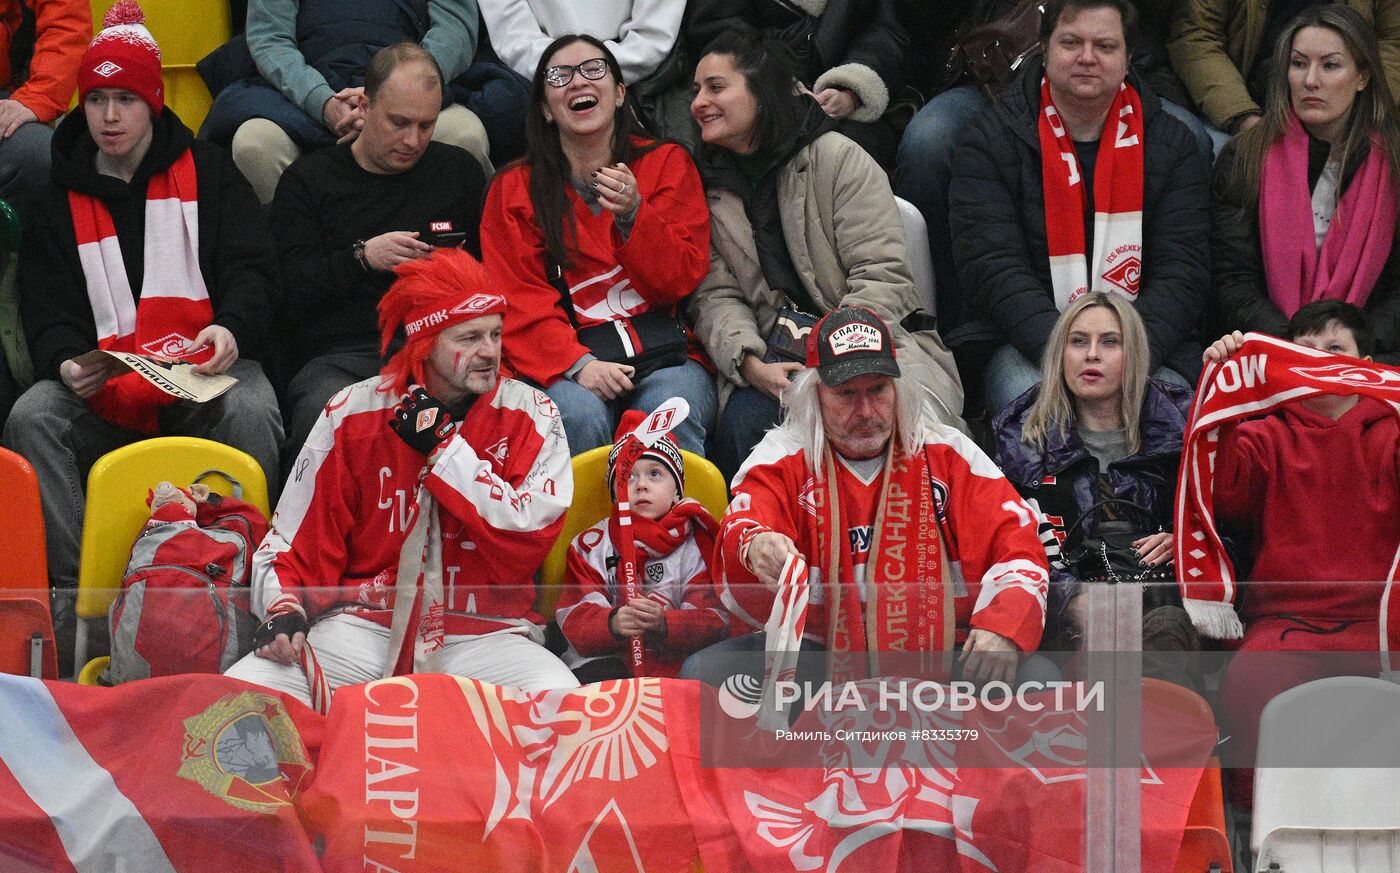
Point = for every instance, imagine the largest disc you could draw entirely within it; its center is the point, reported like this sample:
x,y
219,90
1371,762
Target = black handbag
x,y
648,342
787,341
1109,557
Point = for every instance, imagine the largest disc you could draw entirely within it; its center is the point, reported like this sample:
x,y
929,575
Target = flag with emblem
x,y
437,773
181,773
982,792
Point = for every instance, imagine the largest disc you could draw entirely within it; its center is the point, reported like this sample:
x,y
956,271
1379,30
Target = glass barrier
x,y
1145,735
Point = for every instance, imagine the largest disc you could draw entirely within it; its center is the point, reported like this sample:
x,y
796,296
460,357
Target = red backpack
x,y
183,607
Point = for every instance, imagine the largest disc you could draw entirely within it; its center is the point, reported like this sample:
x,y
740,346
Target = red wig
x,y
443,278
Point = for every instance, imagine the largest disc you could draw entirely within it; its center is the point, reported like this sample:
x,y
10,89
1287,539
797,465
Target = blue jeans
x,y
590,421
923,169
24,164
253,98
1204,133
746,417
1011,374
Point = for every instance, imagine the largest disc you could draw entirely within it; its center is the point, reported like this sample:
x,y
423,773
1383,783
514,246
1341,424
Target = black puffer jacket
x,y
1063,478
236,256
1239,290
997,212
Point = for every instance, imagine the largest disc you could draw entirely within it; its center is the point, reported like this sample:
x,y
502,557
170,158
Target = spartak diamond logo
x,y
1125,275
425,419
499,450
172,345
660,420
807,497
106,69
1351,374
478,303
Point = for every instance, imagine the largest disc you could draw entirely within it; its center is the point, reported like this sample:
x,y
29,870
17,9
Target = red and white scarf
x,y
1358,240
657,538
909,602
1118,172
1264,375
174,304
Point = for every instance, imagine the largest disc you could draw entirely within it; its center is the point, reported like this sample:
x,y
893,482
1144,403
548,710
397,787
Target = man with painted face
x,y
849,482
346,216
419,509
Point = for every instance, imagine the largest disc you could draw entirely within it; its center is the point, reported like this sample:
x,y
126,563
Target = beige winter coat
x,y
846,241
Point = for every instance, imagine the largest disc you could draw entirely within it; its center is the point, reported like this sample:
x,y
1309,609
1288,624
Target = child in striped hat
x,y
677,612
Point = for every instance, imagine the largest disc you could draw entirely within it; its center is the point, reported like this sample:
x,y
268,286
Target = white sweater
x,y
639,33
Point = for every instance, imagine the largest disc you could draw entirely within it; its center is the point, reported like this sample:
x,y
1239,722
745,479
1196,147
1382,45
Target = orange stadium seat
x,y
26,637
23,565
1204,841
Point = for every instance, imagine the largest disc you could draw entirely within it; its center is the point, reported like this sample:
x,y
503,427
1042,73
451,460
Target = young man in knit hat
x,y
677,612
418,510
849,483
146,241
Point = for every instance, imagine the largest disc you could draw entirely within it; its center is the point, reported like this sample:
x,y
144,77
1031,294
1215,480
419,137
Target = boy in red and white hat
x,y
146,241
678,612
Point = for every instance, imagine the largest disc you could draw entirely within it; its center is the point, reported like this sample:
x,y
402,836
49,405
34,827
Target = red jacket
x,y
662,260
63,28
1322,500
999,568
502,484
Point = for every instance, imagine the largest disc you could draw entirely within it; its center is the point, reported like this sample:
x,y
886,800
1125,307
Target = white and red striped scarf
x,y
1118,173
1263,376
174,304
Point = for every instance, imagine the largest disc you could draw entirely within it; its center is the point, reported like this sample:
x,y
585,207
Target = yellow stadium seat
x,y
592,503
92,670
116,507
185,30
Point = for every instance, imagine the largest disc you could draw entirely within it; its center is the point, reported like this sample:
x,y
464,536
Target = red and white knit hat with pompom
x,y
124,55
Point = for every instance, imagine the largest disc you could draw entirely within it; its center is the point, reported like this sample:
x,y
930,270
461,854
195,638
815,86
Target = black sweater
x,y
235,250
325,202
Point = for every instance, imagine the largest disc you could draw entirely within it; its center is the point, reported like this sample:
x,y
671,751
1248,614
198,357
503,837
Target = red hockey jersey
x,y
503,483
999,567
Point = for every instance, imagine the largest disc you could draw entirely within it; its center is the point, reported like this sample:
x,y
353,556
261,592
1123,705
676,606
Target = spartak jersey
x,y
502,483
998,565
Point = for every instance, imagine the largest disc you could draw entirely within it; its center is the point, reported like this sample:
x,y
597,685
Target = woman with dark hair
x,y
599,234
1095,435
1324,166
848,55
802,221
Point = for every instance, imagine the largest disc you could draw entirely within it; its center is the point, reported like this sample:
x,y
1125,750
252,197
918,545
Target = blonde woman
x,y
1095,429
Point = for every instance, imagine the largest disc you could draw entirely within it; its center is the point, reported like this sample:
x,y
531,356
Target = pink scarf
x,y
1261,377
1358,240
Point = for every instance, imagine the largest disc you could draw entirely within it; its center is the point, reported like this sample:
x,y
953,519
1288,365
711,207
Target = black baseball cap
x,y
851,341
